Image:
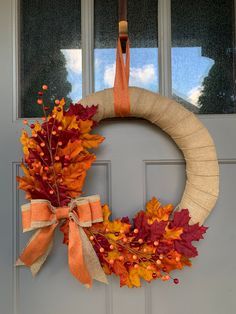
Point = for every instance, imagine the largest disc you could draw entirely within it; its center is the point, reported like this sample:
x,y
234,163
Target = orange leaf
x,y
71,149
91,140
173,234
157,212
85,126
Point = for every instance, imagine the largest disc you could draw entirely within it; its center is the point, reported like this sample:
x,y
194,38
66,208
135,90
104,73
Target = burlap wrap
x,y
190,135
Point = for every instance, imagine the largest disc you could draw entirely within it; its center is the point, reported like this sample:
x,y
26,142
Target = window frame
x,y
87,46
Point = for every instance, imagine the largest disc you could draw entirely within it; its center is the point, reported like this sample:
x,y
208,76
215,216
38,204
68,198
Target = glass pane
x,y
50,43
203,55
142,18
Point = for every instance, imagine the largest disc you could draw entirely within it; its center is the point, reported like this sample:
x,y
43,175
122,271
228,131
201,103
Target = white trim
x,y
164,47
87,39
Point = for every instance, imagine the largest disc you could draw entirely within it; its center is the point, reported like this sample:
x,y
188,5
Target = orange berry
x,y
57,101
136,266
158,262
156,243
111,261
91,238
57,158
39,101
107,230
45,178
125,239
149,267
60,128
121,258
41,154
59,143
43,118
54,116
44,87
111,247
67,157
122,231
46,168
101,249
177,259
42,144
161,256
144,250
140,241
25,122
135,230
51,192
135,257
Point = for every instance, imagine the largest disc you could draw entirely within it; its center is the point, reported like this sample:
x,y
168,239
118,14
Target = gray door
x,y
137,161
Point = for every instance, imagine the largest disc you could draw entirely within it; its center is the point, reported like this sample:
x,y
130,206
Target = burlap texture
x,y
188,132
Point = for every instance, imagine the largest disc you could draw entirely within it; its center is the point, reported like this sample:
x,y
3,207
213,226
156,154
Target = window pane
x,y
142,18
50,43
203,55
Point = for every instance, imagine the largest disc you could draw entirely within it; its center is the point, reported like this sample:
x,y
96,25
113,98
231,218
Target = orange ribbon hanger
x,y
40,215
121,84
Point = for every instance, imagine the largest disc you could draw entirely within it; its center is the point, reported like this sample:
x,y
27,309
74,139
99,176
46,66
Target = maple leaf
x,y
91,140
85,126
180,218
141,223
185,248
121,271
81,112
72,149
173,233
193,232
156,230
157,212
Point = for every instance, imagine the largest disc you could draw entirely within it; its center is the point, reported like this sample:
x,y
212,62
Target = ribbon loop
x,y
81,212
121,84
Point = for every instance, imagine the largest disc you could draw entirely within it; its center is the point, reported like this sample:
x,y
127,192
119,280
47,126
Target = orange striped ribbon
x,y
40,215
121,84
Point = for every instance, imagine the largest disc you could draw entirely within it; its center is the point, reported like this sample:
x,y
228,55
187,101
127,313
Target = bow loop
x,y
81,212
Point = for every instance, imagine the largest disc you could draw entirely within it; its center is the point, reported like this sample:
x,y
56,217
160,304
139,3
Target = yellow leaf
x,y
157,212
134,278
69,122
91,140
59,114
106,213
173,234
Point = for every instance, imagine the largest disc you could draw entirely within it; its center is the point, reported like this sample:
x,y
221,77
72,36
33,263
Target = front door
x,y
137,160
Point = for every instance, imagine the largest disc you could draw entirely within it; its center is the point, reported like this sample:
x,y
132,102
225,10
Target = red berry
x,y
44,87
154,275
46,108
176,281
59,109
32,126
40,93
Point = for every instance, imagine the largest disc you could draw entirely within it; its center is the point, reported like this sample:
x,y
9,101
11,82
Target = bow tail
x,y
75,255
37,249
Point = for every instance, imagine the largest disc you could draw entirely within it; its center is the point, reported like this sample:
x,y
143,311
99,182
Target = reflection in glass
x,y
142,17
50,42
203,69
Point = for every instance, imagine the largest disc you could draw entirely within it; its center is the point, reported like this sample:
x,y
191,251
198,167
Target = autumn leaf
x,y
185,248
58,110
157,230
72,149
173,234
157,212
85,126
91,140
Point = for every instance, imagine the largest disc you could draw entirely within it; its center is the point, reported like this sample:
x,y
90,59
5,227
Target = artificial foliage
x,y
57,156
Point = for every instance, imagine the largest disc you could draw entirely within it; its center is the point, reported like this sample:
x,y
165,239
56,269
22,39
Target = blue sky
x,y
189,68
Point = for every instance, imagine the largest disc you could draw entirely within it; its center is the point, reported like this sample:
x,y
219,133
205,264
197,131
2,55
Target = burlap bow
x,y
81,212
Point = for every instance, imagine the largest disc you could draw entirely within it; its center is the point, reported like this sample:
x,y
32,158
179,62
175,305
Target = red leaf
x,y
193,232
157,229
141,223
185,248
180,219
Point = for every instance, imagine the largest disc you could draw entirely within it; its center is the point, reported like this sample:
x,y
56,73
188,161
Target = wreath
x,y
57,156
